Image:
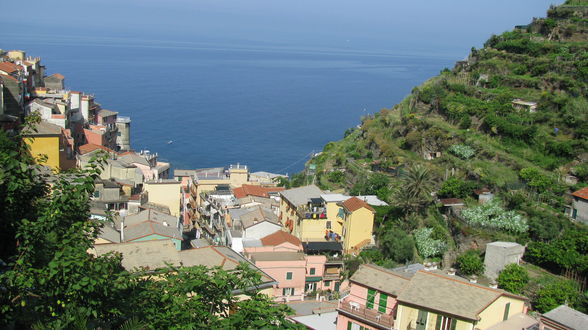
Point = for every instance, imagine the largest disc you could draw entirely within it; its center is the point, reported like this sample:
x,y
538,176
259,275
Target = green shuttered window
x,y
370,298
383,303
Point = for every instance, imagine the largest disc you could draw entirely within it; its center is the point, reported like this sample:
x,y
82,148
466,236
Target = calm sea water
x,y
261,106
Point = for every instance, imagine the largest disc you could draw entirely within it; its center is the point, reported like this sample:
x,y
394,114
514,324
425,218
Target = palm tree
x,y
415,189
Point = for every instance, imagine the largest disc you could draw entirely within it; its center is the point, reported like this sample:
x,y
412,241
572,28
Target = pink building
x,y
372,301
278,254
287,268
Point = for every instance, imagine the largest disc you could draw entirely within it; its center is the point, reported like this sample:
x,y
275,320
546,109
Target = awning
x,y
313,278
330,246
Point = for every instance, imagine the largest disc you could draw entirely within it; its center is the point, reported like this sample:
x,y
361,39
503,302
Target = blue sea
x,y
267,103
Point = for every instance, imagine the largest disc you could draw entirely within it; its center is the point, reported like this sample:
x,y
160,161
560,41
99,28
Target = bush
x,y
462,151
556,293
457,188
397,245
513,278
470,263
426,245
492,215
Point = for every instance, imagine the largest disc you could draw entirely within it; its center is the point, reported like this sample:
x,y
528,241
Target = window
x,y
506,310
370,298
328,224
327,283
421,323
312,271
445,323
287,291
383,303
289,275
96,194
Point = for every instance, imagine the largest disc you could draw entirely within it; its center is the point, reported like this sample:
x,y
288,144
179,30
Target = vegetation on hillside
x,y
512,118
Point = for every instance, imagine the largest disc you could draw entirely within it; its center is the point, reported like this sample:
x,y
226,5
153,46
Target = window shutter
x,y
349,325
422,320
383,303
289,275
506,310
453,324
438,324
370,298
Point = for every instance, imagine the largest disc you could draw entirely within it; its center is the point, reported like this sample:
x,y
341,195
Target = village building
x,y
425,299
579,210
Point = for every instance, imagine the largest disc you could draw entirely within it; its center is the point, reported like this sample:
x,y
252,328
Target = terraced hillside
x,y
511,119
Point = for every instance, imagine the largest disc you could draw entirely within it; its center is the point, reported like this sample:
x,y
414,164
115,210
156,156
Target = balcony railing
x,y
370,315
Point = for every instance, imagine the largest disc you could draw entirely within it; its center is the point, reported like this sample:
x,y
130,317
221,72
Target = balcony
x,y
312,213
371,316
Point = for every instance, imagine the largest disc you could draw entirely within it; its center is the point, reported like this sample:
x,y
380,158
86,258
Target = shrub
x,y
454,187
470,263
426,245
513,278
556,293
492,215
462,151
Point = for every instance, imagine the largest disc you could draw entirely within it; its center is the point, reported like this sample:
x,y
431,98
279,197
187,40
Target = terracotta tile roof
x,y
582,193
8,67
354,203
89,147
57,75
280,237
253,190
4,76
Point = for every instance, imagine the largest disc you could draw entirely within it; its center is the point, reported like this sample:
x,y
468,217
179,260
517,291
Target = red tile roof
x,y
252,190
8,67
4,76
57,75
582,193
280,237
89,147
354,203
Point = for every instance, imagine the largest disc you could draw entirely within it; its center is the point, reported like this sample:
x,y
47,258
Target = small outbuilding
x,y
500,254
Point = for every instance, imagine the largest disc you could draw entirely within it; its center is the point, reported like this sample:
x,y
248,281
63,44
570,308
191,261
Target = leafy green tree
x,y
470,263
556,293
513,278
397,245
456,188
337,177
535,179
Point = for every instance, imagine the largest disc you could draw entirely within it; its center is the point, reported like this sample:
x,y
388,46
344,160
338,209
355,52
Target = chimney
x,y
473,279
451,272
427,266
493,285
434,266
165,223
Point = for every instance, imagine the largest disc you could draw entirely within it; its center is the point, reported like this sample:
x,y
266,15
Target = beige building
x,y
165,192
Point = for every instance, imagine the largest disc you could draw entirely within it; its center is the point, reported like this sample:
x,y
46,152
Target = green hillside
x,y
511,118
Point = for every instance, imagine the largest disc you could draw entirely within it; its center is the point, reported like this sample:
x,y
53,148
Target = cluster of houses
x,y
222,217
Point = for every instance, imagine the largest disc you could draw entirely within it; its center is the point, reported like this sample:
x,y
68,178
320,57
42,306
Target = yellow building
x,y
358,224
165,192
47,140
433,301
303,214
